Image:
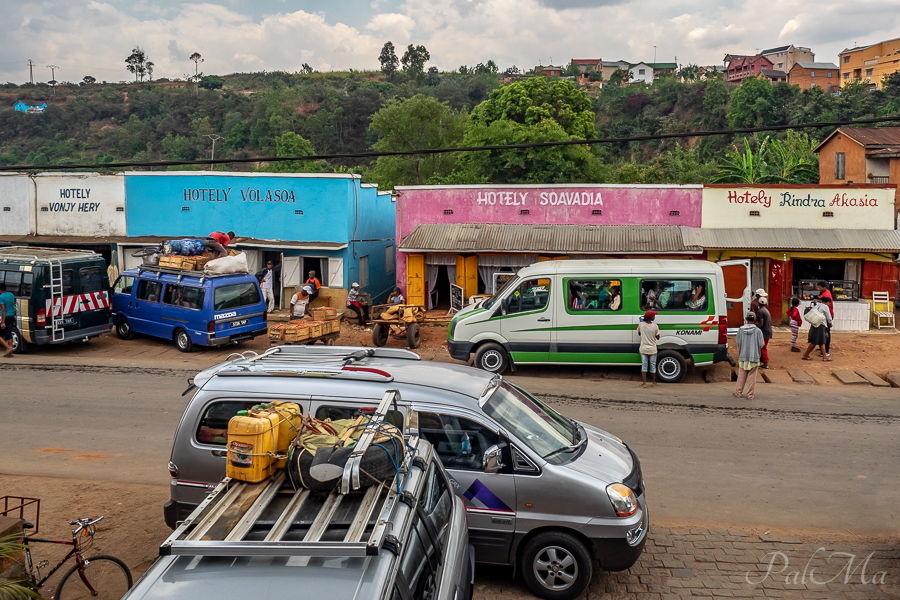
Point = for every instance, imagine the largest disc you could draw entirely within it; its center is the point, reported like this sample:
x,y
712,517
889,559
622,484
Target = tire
x,y
329,342
183,340
556,566
20,346
414,335
492,358
108,575
379,335
670,367
123,329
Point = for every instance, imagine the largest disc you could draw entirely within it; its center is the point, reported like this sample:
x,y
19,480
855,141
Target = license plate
x,y
240,323
70,321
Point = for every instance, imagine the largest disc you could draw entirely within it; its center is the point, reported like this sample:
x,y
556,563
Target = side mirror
x,y
493,462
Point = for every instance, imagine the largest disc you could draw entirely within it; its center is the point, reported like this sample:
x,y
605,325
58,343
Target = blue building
x,y
332,224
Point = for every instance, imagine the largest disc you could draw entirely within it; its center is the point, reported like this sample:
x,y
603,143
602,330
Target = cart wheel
x,y
329,342
413,335
379,334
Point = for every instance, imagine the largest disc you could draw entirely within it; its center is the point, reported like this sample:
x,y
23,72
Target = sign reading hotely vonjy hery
x,y
843,207
88,205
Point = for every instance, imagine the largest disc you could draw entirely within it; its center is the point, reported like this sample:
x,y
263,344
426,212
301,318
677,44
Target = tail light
x,y
723,329
173,470
42,317
211,327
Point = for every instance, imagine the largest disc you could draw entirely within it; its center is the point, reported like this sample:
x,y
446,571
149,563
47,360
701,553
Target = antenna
x,y
53,69
31,71
214,137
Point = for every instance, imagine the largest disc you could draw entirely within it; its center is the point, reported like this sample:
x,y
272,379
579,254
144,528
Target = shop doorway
x,y
315,264
277,259
827,270
440,292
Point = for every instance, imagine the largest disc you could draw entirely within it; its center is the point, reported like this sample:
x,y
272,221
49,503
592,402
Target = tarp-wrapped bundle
x,y
184,247
227,264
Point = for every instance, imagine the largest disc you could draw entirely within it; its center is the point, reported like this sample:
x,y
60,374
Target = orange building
x,y
815,74
870,64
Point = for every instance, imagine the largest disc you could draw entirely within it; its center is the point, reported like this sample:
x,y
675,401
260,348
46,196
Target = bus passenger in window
x,y
698,297
615,302
576,289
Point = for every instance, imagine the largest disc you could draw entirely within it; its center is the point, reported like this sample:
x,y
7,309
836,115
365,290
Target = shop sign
x,y
246,195
73,205
791,199
535,198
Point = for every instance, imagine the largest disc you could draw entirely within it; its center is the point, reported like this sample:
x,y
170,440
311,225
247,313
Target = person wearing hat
x,y
648,332
760,293
267,280
353,303
750,343
299,302
764,322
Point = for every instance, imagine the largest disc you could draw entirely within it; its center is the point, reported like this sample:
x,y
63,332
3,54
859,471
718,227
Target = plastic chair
x,y
885,317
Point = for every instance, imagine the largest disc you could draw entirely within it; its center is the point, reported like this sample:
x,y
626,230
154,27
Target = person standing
x,y
750,343
266,279
794,316
754,304
818,330
353,303
826,300
648,332
7,319
764,322
313,283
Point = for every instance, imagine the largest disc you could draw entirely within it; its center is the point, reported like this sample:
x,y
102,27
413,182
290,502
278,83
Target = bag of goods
x,y
814,317
185,247
227,264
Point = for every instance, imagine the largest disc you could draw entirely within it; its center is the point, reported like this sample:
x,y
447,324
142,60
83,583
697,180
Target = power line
x,y
620,140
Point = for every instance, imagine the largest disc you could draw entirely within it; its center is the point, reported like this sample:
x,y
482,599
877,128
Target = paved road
x,y
791,460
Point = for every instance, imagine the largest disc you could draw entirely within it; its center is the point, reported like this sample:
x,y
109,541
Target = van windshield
x,y
510,283
534,423
237,295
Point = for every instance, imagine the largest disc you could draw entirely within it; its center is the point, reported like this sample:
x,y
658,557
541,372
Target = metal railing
x,y
23,502
880,179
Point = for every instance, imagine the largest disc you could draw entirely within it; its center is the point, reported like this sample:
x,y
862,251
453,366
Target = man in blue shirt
x,y
7,319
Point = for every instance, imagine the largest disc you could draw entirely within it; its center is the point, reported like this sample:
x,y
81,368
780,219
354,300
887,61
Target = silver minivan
x,y
542,492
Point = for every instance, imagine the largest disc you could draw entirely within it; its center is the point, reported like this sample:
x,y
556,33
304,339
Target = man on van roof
x,y
218,242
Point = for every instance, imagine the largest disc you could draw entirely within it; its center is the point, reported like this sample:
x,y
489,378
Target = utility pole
x,y
654,53
214,137
31,71
53,69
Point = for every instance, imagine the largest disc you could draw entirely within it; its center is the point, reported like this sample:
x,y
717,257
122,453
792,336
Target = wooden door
x,y
415,279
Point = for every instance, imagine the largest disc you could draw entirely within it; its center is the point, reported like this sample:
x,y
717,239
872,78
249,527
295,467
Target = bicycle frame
x,y
76,550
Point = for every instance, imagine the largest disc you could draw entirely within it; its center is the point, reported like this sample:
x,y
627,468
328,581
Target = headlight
x,y
452,329
623,499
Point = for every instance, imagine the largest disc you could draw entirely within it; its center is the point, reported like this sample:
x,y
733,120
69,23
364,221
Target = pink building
x,y
470,235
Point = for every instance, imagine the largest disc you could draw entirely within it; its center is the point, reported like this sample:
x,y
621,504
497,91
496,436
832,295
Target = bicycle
x,y
100,577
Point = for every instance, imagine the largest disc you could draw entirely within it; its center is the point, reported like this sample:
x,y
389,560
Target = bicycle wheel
x,y
108,575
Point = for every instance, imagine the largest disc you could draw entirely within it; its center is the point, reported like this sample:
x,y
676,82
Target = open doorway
x,y
276,258
440,296
317,265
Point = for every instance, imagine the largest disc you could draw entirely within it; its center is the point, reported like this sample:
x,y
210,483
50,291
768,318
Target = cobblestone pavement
x,y
720,563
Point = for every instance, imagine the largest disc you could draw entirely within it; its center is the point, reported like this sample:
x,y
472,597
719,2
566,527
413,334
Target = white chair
x,y
882,310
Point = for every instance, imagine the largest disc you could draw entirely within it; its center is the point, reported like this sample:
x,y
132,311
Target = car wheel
x,y
556,566
123,329
19,345
413,335
670,367
379,335
492,358
183,340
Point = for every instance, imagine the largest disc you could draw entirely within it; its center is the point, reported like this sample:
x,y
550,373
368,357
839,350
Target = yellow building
x,y
870,64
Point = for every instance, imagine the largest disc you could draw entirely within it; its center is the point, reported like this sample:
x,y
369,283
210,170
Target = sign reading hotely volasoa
x,y
844,207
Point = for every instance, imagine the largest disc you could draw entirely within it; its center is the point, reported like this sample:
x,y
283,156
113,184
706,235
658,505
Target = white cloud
x,y
393,26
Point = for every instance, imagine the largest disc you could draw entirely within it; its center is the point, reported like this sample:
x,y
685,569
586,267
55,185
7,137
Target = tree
x,y
751,103
792,160
238,137
197,59
149,66
306,69
619,76
571,69
388,59
11,550
417,123
290,144
414,60
88,80
513,70
136,63
212,82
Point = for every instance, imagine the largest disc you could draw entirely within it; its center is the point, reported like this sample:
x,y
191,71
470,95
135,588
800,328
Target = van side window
x,y
419,563
674,294
336,413
27,282
530,295
594,295
91,280
68,282
213,427
184,296
148,290
124,285
447,433
236,295
13,282
437,501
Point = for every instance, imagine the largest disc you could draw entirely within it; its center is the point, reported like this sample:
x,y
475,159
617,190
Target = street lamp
x,y
214,137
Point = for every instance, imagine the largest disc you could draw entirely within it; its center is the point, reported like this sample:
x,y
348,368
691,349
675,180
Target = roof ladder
x,y
57,301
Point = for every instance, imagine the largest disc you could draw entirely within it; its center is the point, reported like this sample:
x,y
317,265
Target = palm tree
x,y
15,589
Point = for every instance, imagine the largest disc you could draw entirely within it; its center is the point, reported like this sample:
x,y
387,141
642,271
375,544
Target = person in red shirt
x,y
824,292
795,322
314,284
218,242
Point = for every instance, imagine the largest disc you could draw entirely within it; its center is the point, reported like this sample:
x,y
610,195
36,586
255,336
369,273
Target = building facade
x,y
808,75
648,72
783,58
774,76
870,64
608,67
738,67
548,71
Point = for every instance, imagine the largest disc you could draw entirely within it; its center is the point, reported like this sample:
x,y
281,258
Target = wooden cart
x,y
397,328
305,336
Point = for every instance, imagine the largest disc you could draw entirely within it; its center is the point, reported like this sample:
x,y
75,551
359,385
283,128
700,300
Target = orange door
x,y
471,286
415,279
737,291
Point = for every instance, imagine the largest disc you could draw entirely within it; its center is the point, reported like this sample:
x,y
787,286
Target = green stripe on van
x,y
703,359
578,357
621,327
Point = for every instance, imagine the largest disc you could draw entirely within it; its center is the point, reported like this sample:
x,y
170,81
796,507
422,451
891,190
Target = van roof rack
x,y
181,273
278,515
38,254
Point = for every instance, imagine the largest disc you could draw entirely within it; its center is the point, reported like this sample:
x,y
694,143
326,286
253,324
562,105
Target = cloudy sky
x,y
93,37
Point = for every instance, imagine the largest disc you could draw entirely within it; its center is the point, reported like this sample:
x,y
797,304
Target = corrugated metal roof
x,y
771,50
877,136
562,239
816,65
860,240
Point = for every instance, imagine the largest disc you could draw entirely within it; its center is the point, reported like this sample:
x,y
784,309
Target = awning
x,y
276,244
858,240
153,240
551,239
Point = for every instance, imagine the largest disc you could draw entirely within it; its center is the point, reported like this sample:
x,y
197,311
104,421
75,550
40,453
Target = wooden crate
x,y
172,261
323,313
276,332
315,328
296,333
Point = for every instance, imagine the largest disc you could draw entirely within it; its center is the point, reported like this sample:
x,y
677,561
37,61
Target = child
x,y
794,316
648,331
750,343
